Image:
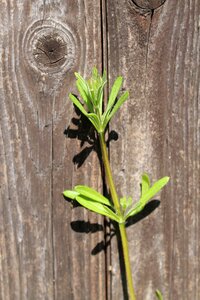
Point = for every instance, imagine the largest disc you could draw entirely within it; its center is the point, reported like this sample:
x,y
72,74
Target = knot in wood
x,y
50,50
49,46
148,4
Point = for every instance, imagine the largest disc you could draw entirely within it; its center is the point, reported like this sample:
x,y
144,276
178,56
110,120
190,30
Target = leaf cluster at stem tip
x,y
92,93
94,201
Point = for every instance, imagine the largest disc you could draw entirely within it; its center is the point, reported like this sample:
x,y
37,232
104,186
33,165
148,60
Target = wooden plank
x,y
26,143
157,52
77,272
42,44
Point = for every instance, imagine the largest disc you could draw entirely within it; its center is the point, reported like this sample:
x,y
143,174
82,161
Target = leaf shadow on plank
x,y
82,129
111,230
109,227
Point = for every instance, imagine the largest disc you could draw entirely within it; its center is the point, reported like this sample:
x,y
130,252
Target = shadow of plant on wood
x,y
101,246
85,133
87,136
148,209
82,130
87,227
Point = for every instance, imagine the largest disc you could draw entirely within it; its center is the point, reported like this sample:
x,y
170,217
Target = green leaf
x,y
95,121
82,82
129,201
78,104
114,92
145,185
138,207
100,95
92,194
108,115
96,84
84,85
95,72
123,203
154,189
84,95
70,194
97,207
104,76
147,196
159,295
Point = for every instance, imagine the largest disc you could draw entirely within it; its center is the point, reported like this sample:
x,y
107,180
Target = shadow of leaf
x,y
80,158
148,209
86,227
102,246
82,129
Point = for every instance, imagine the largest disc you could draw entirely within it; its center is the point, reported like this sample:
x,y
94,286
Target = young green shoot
x,y
117,209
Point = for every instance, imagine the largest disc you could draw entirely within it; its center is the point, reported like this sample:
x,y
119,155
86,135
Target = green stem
x,y
109,174
127,263
122,228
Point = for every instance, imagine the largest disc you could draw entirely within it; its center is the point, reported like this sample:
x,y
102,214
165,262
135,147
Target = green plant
x,y
119,210
159,295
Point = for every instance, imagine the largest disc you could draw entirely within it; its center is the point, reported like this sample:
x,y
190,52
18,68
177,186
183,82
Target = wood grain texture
x,y
148,4
48,249
42,257
157,52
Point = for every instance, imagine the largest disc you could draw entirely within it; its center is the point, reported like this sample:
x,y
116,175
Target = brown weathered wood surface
x,y
44,252
41,256
157,51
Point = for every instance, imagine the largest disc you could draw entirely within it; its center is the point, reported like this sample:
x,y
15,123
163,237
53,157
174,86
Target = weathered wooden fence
x,y
49,250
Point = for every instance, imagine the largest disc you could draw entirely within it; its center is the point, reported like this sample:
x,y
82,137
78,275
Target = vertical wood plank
x,y
79,274
45,252
157,52
42,257
26,160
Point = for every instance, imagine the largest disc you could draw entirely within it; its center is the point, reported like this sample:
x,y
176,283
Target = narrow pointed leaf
x,y
138,207
145,185
154,189
123,203
97,207
84,95
94,72
95,121
82,82
84,85
100,96
92,194
159,295
104,76
147,196
78,104
70,194
114,92
108,115
129,201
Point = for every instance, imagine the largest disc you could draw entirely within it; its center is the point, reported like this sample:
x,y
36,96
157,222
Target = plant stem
x,y
122,227
109,174
124,240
